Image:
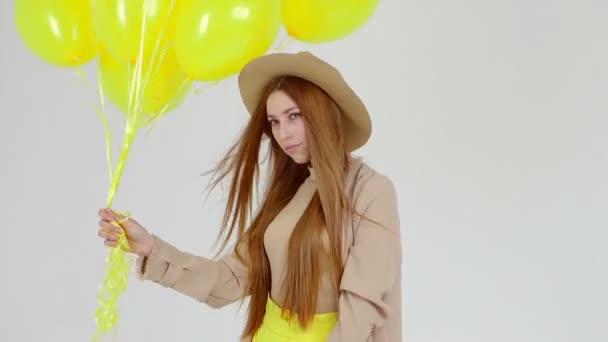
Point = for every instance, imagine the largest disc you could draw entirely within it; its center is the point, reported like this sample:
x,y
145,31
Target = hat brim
x,y
254,77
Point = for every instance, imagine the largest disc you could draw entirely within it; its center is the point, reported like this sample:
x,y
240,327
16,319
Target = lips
x,y
291,148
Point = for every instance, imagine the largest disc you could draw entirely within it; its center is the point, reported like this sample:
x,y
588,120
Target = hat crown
x,y
312,57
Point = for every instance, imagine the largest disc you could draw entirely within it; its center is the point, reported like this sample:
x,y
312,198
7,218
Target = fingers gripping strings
x,y
123,243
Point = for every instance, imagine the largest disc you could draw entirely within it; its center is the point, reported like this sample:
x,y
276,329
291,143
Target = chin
x,y
300,160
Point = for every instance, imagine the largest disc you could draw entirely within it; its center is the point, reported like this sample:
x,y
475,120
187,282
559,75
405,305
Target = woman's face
x,y
288,126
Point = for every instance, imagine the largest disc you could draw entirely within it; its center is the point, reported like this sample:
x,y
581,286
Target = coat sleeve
x,y
214,282
372,265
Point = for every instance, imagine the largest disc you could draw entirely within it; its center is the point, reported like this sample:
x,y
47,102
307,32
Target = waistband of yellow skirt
x,y
321,323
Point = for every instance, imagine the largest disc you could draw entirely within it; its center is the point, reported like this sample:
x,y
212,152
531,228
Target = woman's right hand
x,y
140,241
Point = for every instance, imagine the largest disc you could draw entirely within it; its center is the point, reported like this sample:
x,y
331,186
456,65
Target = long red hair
x,y
322,220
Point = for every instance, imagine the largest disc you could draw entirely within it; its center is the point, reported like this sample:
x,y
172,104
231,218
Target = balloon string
x,y
143,73
101,113
117,266
283,44
115,284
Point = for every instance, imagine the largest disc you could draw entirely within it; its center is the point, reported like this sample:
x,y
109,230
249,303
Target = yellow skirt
x,y
274,328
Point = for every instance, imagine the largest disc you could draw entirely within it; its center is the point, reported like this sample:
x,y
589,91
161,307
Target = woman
x,y
323,250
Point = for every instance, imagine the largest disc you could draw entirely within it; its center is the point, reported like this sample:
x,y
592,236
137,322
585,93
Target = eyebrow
x,y
284,112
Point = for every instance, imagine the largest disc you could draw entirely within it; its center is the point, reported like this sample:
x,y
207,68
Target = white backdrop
x,y
490,117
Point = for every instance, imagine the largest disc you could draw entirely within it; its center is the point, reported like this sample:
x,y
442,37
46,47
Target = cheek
x,y
302,131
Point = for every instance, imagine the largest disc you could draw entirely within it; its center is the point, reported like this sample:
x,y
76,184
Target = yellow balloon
x,y
60,32
216,38
318,21
120,23
158,90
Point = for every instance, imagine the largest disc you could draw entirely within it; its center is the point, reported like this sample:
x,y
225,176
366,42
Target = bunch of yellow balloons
x,y
151,51
174,42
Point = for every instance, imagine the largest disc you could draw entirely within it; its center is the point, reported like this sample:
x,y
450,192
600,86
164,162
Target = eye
x,y
272,122
294,115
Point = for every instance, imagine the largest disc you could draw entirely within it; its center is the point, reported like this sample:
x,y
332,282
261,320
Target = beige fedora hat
x,y
259,72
